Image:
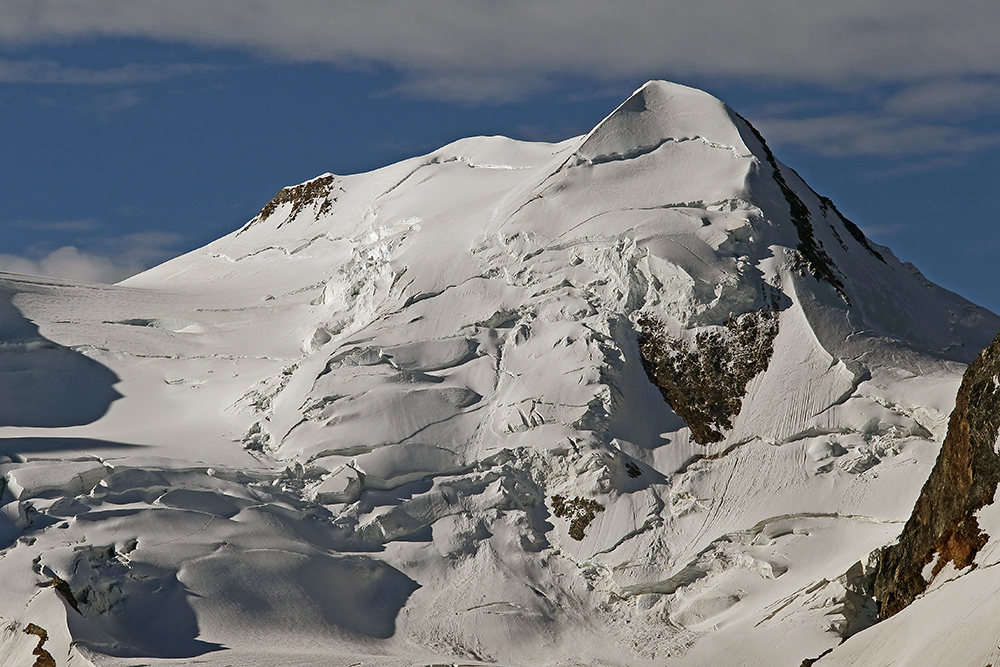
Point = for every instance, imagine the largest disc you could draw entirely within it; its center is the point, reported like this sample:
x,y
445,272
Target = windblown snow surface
x,y
402,418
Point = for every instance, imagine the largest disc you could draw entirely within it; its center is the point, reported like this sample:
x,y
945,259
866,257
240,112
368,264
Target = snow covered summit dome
x,y
659,112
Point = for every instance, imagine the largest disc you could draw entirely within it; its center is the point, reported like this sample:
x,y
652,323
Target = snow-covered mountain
x,y
639,397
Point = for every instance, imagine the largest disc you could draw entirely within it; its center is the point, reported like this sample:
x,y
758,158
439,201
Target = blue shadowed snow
x,y
43,384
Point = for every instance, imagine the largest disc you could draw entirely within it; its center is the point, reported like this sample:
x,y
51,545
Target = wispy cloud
x,y
941,60
949,97
112,103
874,134
112,259
941,121
50,72
69,263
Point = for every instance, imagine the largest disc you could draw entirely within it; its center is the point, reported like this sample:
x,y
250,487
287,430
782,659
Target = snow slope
x,y
936,586
371,424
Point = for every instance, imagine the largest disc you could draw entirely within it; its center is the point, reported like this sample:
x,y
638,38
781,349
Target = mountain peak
x,y
602,401
660,112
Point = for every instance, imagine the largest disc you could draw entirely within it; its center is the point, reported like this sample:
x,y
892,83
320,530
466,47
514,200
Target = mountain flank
x,y
943,527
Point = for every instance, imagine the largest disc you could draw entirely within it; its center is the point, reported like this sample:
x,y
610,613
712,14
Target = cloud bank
x,y
481,49
114,259
885,136
933,66
69,263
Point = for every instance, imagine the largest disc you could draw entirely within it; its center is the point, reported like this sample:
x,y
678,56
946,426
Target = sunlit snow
x,y
334,436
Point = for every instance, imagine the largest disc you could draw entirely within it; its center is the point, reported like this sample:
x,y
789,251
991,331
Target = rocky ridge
x,y
944,528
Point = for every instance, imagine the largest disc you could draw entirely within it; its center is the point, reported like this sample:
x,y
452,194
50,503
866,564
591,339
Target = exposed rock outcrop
x,y
705,384
44,658
943,527
813,256
317,192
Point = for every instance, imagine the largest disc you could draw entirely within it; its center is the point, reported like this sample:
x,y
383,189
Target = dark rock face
x,y
810,249
964,479
705,385
854,230
581,510
44,658
317,192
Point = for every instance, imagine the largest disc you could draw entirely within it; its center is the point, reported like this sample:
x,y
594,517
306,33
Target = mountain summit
x,y
638,397
657,113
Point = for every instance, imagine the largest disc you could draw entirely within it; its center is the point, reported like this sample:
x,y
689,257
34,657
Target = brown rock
x,y
964,479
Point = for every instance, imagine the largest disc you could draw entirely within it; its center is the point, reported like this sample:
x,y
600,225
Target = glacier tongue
x,y
408,416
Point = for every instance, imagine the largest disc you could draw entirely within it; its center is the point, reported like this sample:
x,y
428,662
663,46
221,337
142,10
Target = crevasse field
x,y
407,417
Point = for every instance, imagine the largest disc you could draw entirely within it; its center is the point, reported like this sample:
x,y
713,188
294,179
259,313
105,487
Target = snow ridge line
x,y
639,151
282,249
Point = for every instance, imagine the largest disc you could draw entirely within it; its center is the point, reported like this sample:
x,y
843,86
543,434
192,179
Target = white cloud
x,y
944,56
117,259
475,49
946,98
50,72
71,264
112,103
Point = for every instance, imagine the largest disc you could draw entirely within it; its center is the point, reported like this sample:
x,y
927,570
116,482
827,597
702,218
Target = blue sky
x,y
131,132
